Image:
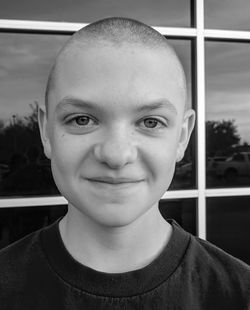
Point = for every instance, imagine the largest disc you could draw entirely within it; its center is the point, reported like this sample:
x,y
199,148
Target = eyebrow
x,y
151,106
75,102
159,104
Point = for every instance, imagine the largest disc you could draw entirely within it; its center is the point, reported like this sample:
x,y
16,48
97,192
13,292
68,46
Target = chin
x,y
116,218
112,223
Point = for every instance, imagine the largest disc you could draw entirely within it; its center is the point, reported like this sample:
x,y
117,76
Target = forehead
x,y
116,73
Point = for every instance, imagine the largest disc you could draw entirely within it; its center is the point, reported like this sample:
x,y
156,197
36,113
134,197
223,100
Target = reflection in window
x,y
185,172
183,211
155,13
15,223
227,114
25,61
228,225
227,14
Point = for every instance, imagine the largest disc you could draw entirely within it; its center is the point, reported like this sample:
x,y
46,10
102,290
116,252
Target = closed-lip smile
x,y
112,180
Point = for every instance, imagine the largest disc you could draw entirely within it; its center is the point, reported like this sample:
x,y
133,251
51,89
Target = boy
x,y
115,124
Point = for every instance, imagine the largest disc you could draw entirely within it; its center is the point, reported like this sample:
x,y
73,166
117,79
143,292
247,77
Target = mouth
x,y
115,181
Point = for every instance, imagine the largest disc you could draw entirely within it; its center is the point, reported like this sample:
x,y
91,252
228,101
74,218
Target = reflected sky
x,y
157,12
227,14
228,84
25,62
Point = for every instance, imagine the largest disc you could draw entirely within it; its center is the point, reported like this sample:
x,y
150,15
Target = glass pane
x,y
227,114
228,225
183,211
185,172
227,14
25,61
16,223
155,13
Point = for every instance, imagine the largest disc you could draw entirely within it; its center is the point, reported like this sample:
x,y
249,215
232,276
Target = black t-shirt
x,y
37,272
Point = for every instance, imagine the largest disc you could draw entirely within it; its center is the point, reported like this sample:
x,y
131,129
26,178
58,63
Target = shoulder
x,y
214,257
17,250
215,270
17,262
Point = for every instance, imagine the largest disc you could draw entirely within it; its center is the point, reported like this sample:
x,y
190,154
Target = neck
x,y
115,249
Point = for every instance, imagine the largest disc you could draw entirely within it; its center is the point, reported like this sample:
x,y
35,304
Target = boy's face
x,y
115,129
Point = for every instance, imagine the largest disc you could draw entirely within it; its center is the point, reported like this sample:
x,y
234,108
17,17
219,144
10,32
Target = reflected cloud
x,y
227,84
218,14
157,13
25,64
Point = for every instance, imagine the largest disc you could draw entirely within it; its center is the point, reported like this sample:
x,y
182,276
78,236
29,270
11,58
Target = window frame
x,y
199,34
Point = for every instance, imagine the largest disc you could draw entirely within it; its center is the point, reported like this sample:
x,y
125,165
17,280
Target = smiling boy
x,y
114,126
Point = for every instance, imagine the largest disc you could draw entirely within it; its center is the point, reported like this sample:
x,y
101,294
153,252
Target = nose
x,y
116,149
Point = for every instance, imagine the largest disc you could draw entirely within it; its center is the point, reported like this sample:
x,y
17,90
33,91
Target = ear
x,y
186,130
43,126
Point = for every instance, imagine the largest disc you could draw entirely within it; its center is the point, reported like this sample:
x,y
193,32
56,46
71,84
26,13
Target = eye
x,y
150,122
82,121
153,123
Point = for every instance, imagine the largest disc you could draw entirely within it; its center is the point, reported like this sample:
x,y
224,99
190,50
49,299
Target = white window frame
x,y
199,34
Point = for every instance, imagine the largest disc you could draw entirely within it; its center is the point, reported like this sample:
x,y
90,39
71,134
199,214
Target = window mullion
x,y
200,53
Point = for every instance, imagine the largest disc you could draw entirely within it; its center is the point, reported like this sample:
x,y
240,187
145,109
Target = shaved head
x,y
117,32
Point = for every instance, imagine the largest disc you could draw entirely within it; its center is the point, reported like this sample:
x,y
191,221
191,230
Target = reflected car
x,y
212,163
234,166
4,169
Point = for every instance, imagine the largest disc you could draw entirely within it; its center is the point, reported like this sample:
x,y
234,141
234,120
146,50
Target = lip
x,y
114,181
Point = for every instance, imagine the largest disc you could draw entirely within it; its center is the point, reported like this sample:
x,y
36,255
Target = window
x,y
228,224
26,59
25,63
210,183
227,109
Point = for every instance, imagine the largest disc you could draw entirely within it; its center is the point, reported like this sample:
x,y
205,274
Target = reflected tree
x,y
221,137
1,125
21,150
19,134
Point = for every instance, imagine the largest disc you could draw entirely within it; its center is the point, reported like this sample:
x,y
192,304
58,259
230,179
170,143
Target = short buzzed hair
x,y
116,31
120,30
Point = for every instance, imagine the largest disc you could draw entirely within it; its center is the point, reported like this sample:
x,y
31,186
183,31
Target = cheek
x,y
67,152
161,158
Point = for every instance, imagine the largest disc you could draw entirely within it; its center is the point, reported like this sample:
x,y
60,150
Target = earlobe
x,y
186,130
43,127
179,154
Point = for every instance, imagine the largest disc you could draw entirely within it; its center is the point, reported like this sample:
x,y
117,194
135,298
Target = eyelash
x,y
73,121
158,121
